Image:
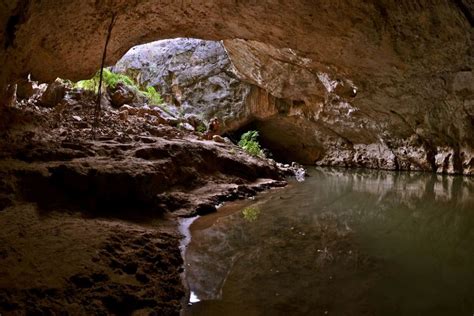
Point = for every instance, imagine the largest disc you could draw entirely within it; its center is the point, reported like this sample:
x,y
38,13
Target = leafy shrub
x,y
248,142
153,96
111,79
89,85
201,128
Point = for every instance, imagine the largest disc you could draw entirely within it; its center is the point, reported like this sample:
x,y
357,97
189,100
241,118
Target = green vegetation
x,y
111,79
251,213
201,128
248,142
153,96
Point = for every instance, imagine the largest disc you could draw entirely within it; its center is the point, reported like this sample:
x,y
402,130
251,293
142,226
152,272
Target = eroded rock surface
x,y
90,225
304,114
421,121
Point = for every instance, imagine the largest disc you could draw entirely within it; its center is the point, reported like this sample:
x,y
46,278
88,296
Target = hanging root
x,y
99,93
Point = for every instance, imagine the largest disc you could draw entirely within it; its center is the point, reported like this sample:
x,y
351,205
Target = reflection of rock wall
x,y
405,186
414,221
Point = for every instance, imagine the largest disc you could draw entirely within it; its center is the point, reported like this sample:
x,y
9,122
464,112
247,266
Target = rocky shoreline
x,y
91,225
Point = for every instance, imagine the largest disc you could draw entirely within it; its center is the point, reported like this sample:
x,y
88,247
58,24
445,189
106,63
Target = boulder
x,y
130,109
54,93
121,94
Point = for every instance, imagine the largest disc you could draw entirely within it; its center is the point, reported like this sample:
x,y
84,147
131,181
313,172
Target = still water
x,y
343,242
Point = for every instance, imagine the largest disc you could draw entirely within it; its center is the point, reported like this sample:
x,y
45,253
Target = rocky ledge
x,y
93,221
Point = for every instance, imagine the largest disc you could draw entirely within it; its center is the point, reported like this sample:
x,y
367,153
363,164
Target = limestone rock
x,y
322,119
131,110
192,75
219,139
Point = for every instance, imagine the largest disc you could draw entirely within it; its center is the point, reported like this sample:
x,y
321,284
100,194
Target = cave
x,y
126,187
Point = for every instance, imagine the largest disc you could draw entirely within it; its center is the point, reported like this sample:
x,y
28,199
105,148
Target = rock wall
x,y
419,122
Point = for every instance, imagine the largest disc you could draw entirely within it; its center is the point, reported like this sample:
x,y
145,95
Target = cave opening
x,y
205,82
192,84
280,142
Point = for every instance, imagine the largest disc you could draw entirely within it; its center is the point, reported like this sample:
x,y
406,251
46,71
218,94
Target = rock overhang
x,y
409,61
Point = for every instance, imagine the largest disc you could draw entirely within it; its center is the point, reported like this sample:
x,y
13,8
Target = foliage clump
x,y
153,96
201,128
251,214
112,79
249,143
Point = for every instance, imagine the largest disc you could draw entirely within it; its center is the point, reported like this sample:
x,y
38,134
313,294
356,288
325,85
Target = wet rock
x,y
205,208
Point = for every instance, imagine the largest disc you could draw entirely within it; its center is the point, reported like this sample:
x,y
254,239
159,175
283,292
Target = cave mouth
x,y
280,142
197,81
192,82
205,81
112,182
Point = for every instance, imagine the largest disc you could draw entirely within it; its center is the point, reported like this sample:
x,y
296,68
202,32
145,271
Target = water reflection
x,y
251,213
341,243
